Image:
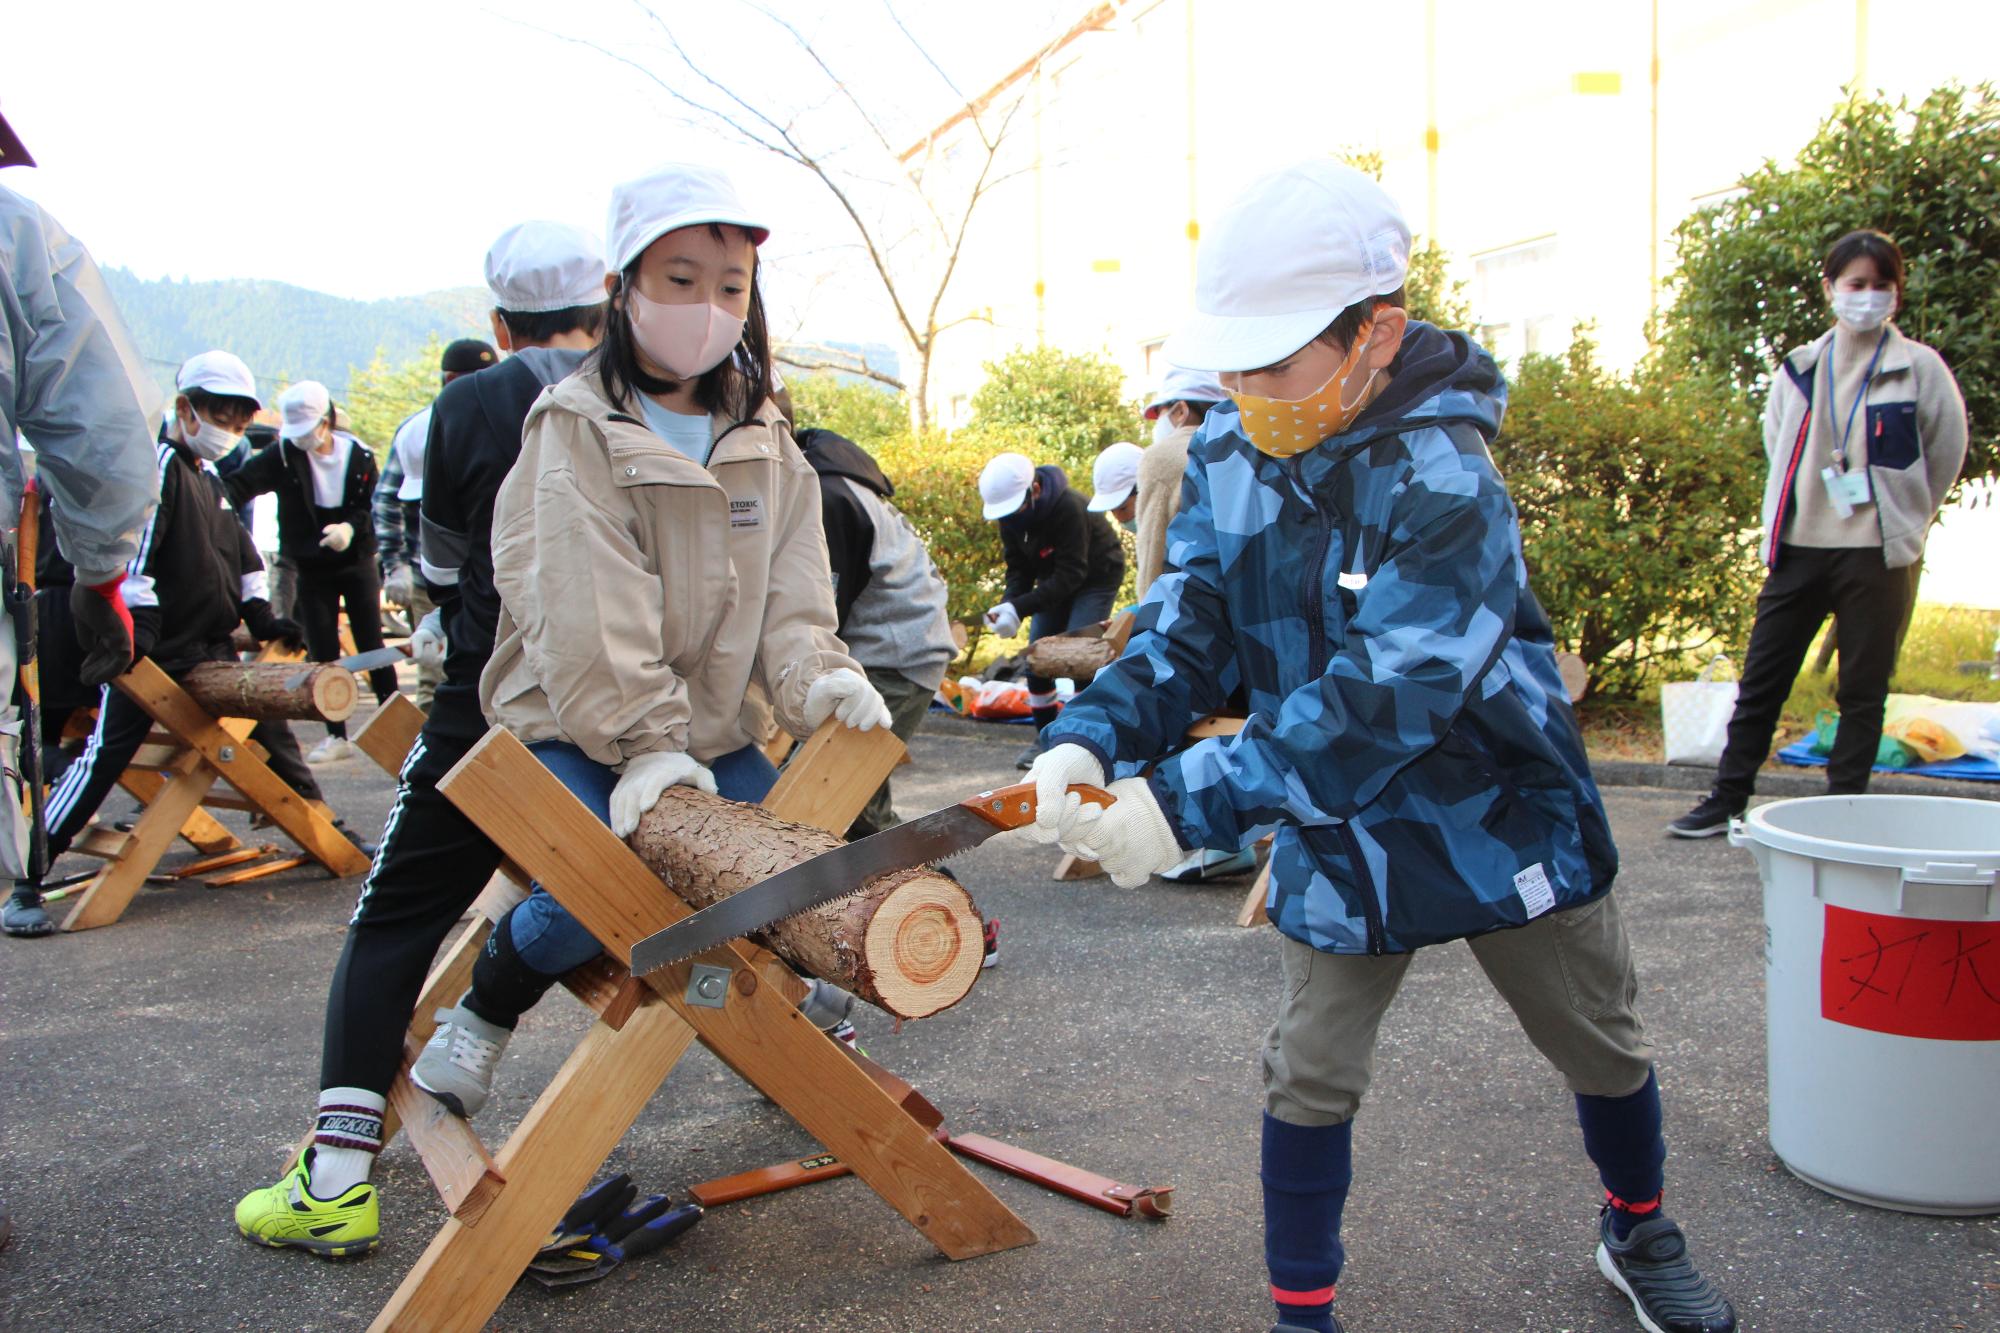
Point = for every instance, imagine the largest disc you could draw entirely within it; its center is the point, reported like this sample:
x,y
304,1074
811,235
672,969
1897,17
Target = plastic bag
x,y
1694,716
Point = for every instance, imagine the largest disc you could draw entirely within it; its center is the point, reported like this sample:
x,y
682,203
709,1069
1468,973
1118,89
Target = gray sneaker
x,y
24,916
457,1063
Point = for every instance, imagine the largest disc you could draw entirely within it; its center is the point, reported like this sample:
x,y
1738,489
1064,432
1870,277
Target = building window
x,y
1513,291
1152,357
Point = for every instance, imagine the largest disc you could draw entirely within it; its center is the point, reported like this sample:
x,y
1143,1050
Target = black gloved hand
x,y
103,631
267,628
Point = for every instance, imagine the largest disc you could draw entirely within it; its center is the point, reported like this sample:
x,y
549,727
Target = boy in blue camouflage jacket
x,y
1346,549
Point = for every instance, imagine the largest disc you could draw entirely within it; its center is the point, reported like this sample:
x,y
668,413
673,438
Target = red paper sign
x,y
1910,977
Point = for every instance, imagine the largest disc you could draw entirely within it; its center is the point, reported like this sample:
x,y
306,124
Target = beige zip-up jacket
x,y
1162,465
642,594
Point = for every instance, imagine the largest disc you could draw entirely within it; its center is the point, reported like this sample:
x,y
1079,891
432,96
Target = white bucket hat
x,y
1294,250
1004,483
536,267
667,198
301,408
1188,386
1114,475
217,372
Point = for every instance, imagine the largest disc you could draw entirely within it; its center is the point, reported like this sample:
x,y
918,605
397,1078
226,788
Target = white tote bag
x,y
1694,716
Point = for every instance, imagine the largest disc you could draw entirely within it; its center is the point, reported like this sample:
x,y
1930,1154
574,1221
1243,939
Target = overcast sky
x,y
374,148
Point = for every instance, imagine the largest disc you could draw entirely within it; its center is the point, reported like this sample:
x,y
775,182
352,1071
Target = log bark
x,y
911,942
1076,656
259,690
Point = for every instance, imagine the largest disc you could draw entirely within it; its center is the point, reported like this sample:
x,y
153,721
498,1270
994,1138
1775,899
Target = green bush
x,y
864,413
936,480
1748,285
1055,407
1638,497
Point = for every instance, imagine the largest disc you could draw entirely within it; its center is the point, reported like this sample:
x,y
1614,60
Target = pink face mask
x,y
687,341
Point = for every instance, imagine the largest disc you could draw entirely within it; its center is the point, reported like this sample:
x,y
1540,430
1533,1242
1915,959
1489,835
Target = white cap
x,y
671,196
1295,249
217,372
1004,483
302,407
541,266
1114,475
1188,386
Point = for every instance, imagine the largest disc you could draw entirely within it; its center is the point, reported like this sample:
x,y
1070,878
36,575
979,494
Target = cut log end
x,y
909,942
933,940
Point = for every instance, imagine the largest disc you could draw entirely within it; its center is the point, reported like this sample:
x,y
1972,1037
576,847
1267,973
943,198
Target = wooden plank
x,y
115,886
264,871
1251,913
1075,867
1119,631
467,1271
779,746
467,1178
103,842
389,734
196,869
202,830
167,703
154,756
502,788
1215,726
833,775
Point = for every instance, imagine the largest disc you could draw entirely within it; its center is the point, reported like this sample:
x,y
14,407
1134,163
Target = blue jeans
x,y
545,935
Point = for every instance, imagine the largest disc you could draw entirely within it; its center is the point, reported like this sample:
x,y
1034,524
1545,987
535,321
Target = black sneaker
x,y
1709,818
1652,1268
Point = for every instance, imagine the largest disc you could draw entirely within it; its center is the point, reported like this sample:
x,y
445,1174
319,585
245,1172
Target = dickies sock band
x,y
346,1137
1307,1170
1625,1142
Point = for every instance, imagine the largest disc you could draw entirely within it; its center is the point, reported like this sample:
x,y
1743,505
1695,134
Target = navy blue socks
x,y
1307,1171
1622,1136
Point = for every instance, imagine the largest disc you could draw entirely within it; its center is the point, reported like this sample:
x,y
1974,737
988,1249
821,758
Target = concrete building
x,y
1549,146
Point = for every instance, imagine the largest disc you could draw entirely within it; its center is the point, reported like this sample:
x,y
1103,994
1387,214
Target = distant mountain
x,y
287,333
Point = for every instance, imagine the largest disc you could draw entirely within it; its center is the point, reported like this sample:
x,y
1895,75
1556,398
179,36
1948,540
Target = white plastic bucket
x,y
1882,972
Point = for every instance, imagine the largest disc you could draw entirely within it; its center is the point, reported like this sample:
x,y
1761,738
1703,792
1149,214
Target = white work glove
x,y
427,642
400,588
644,778
1004,620
1054,771
1130,840
846,694
336,536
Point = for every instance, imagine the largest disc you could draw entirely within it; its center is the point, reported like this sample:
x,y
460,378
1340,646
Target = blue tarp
x,y
1800,753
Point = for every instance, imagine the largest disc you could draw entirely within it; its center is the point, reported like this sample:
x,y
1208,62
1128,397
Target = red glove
x,y
113,591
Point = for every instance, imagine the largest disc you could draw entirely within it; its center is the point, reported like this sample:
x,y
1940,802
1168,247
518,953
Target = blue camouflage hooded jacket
x,y
1409,740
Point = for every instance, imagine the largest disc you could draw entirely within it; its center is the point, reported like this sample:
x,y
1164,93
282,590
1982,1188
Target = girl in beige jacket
x,y
657,550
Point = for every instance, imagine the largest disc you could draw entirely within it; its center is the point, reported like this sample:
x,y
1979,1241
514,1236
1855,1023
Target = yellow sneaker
x,y
287,1214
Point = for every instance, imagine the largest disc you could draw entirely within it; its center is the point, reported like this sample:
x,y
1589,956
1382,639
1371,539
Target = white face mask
x,y
1865,311
209,441
1163,426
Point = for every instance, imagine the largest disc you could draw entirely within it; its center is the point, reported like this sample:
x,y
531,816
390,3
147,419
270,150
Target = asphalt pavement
x,y
156,1070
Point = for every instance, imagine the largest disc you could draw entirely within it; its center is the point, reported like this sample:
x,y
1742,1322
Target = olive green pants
x,y
1567,976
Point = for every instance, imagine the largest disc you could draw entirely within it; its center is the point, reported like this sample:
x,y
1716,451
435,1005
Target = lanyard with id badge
x,y
1845,490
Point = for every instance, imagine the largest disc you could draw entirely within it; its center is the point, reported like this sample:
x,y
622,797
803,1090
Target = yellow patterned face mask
x,y
1284,427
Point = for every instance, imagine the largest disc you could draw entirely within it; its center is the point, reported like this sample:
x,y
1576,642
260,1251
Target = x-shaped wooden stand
x,y
507,1204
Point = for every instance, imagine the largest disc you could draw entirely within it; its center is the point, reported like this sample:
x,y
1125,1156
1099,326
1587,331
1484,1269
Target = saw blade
x,y
829,877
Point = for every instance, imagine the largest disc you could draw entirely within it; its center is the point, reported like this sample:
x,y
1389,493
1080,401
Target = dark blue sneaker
x,y
1652,1268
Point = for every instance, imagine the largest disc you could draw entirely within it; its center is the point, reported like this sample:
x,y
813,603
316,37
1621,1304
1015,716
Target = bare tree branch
x,y
857,366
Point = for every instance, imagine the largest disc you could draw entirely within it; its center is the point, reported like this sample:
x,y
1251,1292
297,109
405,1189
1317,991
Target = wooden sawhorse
x,y
503,1207
176,774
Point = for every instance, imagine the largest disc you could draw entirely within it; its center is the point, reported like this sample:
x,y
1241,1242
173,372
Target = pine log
x,y
259,690
1073,655
910,943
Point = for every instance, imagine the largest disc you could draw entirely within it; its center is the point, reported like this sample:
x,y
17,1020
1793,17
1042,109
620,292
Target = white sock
x,y
346,1138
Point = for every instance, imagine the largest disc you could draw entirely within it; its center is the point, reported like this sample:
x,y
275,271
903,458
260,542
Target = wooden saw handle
x,y
1013,807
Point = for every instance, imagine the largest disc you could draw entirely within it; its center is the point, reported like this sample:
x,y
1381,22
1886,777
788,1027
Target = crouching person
x,y
657,548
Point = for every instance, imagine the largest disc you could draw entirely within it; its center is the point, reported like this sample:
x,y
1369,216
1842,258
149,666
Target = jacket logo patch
x,y
1354,581
746,513
1537,896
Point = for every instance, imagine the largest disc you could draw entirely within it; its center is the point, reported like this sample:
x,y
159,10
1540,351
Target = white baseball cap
x,y
217,372
1114,475
1188,386
1004,483
301,408
536,267
1296,248
667,198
